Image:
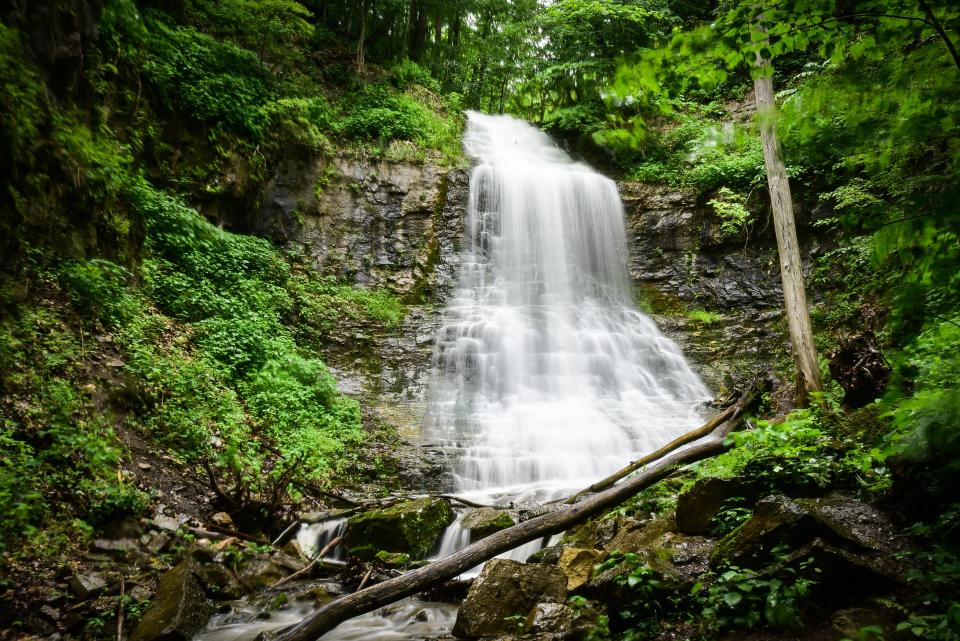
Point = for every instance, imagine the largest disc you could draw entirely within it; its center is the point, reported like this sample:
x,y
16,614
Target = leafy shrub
x,y
301,121
215,82
297,401
99,290
740,598
729,207
21,99
407,73
380,115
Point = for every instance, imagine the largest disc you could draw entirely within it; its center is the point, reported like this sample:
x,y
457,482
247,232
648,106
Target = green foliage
x,y
217,83
740,598
59,452
729,207
644,608
407,73
98,288
704,317
22,100
802,452
296,401
925,422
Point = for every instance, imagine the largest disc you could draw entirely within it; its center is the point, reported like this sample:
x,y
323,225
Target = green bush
x,y
407,73
383,116
216,83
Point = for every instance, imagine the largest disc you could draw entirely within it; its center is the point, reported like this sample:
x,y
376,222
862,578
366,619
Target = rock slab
x,y
411,527
180,608
504,590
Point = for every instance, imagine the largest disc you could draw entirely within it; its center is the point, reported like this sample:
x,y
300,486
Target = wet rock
x,y
115,546
87,584
381,223
261,572
702,501
507,589
855,522
577,564
180,608
222,519
484,521
775,519
677,560
850,621
842,575
549,555
219,582
412,527
836,519
554,618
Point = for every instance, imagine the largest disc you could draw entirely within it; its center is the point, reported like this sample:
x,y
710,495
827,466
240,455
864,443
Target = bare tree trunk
x,y
362,37
791,268
362,601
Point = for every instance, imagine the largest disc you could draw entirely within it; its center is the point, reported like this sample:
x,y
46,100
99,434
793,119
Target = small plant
x,y
741,598
704,317
729,206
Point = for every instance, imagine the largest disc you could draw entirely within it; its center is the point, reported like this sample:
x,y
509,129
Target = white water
x,y
546,377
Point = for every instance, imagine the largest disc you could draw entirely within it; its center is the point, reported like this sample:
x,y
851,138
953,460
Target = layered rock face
x,y
374,222
681,261
399,225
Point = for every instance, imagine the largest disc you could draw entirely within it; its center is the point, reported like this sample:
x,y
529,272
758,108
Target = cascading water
x,y
546,377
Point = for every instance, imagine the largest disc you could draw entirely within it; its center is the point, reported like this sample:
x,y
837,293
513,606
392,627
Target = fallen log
x,y
339,610
732,415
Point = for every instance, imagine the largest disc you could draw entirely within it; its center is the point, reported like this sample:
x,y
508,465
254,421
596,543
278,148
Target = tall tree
x,y
781,206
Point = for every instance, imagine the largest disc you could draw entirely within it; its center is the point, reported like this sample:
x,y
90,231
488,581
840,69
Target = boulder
x,y
549,555
87,584
222,520
577,564
836,519
504,590
180,608
697,506
262,571
485,521
219,582
551,618
851,521
411,527
775,519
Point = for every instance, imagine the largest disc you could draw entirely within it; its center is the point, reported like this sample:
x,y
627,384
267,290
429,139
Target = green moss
x,y
409,527
704,317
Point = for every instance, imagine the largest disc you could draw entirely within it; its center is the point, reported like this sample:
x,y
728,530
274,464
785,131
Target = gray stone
x,y
115,546
484,521
412,527
507,589
697,506
180,608
87,584
553,618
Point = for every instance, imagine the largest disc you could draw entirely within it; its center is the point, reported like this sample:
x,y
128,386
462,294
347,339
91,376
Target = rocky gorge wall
x,y
399,225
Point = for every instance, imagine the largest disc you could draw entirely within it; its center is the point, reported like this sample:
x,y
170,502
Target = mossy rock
x,y
180,608
394,559
409,527
484,521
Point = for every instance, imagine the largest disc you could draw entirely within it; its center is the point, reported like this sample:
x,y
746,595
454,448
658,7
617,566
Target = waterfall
x,y
546,376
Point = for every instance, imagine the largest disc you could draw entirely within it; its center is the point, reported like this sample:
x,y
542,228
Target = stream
x,y
546,377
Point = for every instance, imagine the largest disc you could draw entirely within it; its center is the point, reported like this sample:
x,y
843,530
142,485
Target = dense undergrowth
x,y
126,317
